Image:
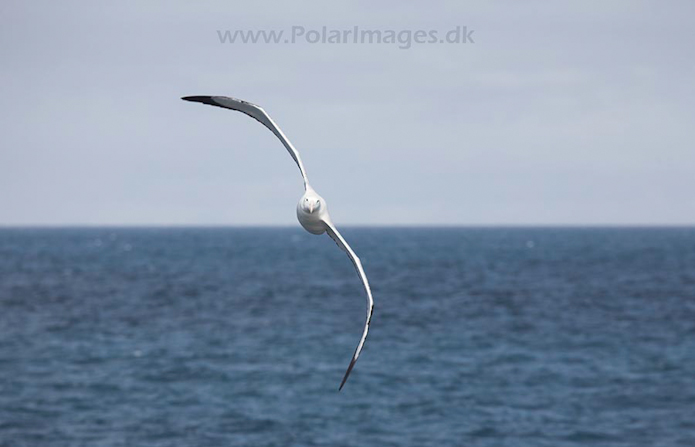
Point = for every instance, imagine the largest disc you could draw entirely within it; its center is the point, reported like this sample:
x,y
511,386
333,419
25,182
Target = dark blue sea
x,y
240,337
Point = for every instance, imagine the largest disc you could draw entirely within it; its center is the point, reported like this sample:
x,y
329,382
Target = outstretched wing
x,y
335,235
258,114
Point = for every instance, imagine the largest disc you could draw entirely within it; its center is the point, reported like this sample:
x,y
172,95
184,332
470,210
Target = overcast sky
x,y
559,113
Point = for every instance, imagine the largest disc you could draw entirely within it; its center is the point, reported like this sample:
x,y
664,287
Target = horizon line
x,y
380,225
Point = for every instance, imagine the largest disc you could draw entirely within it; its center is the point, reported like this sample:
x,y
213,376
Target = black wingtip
x,y
203,99
347,374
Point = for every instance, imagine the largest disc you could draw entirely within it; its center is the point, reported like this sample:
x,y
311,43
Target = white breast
x,y
310,221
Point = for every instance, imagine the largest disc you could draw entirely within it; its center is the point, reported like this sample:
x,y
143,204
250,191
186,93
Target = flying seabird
x,y
312,211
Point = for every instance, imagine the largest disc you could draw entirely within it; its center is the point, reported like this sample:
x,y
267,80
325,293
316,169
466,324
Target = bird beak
x,y
311,208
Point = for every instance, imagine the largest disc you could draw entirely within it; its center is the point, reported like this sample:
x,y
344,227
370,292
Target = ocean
x,y
240,337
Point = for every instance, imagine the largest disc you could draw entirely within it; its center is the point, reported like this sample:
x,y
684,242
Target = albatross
x,y
312,211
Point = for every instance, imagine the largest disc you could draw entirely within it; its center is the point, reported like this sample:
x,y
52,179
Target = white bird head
x,y
311,203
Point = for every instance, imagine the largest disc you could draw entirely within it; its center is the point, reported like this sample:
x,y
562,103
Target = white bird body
x,y
312,211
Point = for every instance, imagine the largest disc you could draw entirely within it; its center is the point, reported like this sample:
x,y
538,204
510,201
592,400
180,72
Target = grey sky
x,y
559,113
